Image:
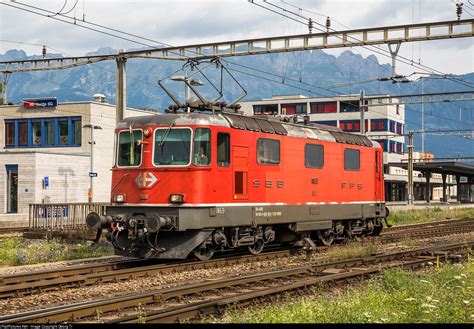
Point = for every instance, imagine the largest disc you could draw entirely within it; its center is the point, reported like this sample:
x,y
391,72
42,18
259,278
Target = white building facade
x,y
45,155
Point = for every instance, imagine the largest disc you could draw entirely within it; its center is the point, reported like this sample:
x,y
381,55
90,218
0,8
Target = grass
x,y
351,250
427,215
19,251
397,296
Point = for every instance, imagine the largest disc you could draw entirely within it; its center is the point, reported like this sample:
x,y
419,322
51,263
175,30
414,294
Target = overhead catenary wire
x,y
378,50
247,67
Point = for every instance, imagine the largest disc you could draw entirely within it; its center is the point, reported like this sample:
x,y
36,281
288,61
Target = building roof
x,y
449,168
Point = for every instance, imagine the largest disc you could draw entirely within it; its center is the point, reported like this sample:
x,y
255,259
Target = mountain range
x,y
262,76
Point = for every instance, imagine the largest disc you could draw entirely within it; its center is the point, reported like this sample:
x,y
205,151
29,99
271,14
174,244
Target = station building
x,y
45,154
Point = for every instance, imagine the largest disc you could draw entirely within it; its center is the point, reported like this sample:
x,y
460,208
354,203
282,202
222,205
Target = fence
x,y
62,216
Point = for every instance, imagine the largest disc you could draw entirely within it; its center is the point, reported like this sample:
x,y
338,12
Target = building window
x,y
22,133
351,159
77,131
223,150
378,124
325,107
313,156
399,128
352,106
332,123
290,109
352,125
268,151
392,126
10,134
399,148
392,147
36,133
383,144
49,132
269,109
65,131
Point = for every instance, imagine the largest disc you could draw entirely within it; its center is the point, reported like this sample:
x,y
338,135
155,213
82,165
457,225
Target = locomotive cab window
x,y
202,147
313,156
223,150
351,159
129,148
172,147
268,151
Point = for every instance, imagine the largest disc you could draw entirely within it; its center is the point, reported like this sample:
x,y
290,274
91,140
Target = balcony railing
x,y
62,216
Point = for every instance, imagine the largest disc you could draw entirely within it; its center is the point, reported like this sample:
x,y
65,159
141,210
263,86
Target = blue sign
x,y
45,182
92,174
40,103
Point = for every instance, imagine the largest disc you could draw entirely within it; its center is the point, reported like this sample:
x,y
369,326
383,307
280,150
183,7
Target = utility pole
x,y
422,119
121,87
410,168
92,174
362,111
4,87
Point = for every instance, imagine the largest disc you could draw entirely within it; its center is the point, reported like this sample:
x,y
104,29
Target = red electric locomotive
x,y
189,184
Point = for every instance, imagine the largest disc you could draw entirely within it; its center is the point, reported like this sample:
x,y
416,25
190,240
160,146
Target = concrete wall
x,y
68,181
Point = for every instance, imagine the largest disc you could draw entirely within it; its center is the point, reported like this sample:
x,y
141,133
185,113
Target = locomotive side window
x,y
129,148
223,150
351,159
172,147
313,156
202,147
268,151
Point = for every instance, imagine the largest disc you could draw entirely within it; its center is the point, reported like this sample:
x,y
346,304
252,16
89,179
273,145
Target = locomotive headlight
x,y
119,198
177,198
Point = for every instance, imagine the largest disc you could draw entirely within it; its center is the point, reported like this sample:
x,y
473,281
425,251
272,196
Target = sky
x,y
183,22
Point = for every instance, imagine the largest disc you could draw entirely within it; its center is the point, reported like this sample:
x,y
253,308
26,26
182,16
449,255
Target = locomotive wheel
x,y
326,237
204,252
257,247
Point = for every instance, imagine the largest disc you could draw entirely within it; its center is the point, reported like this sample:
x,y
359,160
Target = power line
x,y
384,52
136,36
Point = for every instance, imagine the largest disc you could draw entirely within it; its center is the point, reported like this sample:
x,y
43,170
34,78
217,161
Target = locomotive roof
x,y
237,121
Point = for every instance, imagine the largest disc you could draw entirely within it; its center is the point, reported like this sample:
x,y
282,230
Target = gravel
x,y
81,294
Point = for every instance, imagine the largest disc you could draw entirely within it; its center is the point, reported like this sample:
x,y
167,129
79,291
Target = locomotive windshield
x,y
172,147
129,148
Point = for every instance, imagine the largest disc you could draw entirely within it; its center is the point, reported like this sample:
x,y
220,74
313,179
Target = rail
x,y
62,216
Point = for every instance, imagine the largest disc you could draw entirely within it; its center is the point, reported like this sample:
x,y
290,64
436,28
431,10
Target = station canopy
x,y
449,168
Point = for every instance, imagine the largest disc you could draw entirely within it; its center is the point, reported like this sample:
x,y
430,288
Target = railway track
x,y
28,283
429,230
443,222
120,269
193,300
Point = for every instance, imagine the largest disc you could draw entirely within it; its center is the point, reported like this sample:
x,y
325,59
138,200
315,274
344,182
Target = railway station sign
x,y
40,103
92,174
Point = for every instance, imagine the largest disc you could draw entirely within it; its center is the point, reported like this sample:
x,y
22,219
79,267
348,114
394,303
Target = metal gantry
x,y
312,41
301,42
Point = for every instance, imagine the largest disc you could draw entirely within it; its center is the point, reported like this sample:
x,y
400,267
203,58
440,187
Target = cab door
x,y
378,176
240,156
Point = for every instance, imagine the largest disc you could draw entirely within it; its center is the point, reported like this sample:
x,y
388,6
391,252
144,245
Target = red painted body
x,y
216,185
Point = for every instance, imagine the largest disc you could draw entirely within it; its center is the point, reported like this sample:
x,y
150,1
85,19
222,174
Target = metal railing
x,y
62,216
